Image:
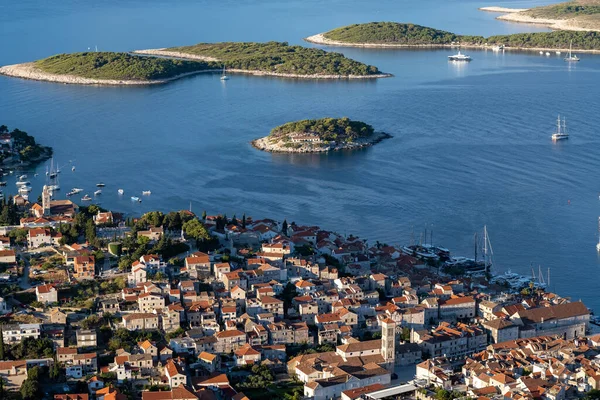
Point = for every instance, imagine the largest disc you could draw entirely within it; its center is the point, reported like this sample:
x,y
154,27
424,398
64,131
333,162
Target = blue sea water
x,y
471,143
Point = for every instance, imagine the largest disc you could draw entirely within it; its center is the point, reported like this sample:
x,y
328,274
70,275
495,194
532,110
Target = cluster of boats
x,y
98,192
466,58
517,282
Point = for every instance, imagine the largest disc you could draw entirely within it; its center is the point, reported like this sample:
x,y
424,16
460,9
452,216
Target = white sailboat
x,y
561,129
224,76
571,57
598,244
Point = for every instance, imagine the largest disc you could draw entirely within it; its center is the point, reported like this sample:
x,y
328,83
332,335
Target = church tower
x,y
46,200
388,341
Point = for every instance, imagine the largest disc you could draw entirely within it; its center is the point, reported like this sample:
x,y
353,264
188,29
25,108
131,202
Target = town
x,y
96,305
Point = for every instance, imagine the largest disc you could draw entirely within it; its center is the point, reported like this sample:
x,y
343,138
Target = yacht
x,y
146,193
459,57
135,198
561,130
548,53
541,52
53,187
24,189
100,184
498,48
121,191
86,198
97,192
73,168
22,183
571,57
3,183
76,190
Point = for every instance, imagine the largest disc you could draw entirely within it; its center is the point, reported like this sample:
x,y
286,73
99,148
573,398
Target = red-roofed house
x,y
46,294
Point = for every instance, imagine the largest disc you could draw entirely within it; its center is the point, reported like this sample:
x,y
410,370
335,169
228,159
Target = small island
x,y
576,15
106,68
406,35
273,59
320,136
20,148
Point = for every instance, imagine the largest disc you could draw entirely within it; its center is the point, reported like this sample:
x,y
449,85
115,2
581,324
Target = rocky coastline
x,y
519,15
272,145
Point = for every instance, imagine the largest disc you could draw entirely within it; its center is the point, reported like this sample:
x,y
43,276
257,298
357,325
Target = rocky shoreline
x,y
30,71
186,56
322,40
518,15
266,144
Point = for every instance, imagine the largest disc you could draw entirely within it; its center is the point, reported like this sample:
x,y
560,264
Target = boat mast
x,y
475,246
558,124
548,278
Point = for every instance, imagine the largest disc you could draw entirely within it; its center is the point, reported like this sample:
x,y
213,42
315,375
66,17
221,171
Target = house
x,y
37,237
15,333
103,218
153,234
176,393
46,294
208,361
175,375
140,321
198,265
148,302
85,267
80,396
457,308
57,316
86,338
13,373
4,308
147,347
501,330
569,320
137,275
246,355
8,256
228,341
65,354
272,305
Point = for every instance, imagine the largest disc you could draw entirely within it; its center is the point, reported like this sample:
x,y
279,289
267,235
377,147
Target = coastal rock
x,y
277,145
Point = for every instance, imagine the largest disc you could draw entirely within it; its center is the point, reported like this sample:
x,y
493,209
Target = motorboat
x,y
22,177
86,198
498,48
3,183
53,187
135,198
541,52
76,190
97,192
459,57
548,53
73,168
120,191
22,182
100,184
146,193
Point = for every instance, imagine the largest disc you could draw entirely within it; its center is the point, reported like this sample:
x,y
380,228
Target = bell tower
x,y
46,200
388,341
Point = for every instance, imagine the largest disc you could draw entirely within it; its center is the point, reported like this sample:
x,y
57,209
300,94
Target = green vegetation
x,y
279,57
416,35
24,147
395,33
120,66
327,129
565,10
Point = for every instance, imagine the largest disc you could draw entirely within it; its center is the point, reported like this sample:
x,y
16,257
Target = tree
x,y
284,228
54,372
195,229
204,215
1,347
30,389
593,394
244,220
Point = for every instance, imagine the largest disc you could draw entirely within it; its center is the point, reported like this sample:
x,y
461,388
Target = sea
x,y
471,145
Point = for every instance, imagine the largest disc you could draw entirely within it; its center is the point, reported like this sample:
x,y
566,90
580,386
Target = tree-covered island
x,y
319,135
398,35
19,148
159,66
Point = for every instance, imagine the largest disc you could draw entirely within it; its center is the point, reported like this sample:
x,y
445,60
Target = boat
x,y
548,53
571,57
22,183
224,76
598,244
135,198
558,53
76,190
73,168
1,196
24,189
561,133
22,177
3,183
541,52
71,193
498,48
97,192
459,57
146,193
100,184
53,187
86,198
121,191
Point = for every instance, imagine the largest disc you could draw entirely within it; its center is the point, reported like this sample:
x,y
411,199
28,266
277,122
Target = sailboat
x,y
598,244
53,175
224,76
561,133
571,57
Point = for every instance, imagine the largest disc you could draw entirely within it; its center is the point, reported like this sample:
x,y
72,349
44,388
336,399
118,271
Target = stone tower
x,y
388,341
46,200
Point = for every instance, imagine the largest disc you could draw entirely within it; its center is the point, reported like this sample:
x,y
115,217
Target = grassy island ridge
x,y
109,65
392,34
319,135
278,57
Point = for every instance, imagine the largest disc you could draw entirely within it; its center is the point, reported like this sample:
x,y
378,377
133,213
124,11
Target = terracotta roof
x,y
560,311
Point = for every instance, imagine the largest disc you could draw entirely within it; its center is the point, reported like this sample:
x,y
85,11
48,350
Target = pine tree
x,y
244,220
204,215
1,346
